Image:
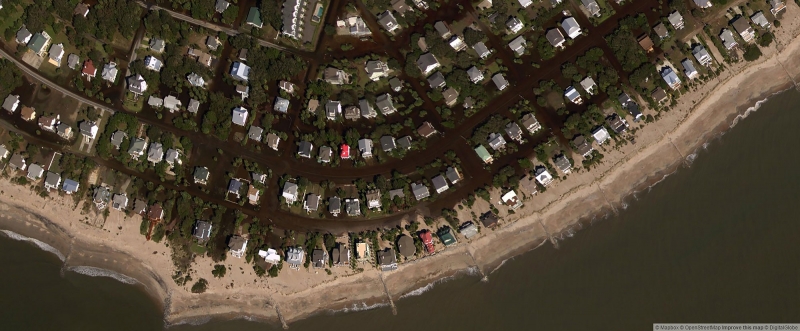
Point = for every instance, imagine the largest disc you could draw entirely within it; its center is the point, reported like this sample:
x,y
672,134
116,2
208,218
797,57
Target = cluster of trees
x,y
583,123
594,63
218,118
10,77
626,48
119,121
495,124
271,13
267,65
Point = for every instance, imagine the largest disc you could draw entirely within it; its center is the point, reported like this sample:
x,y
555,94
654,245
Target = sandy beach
x,y
116,244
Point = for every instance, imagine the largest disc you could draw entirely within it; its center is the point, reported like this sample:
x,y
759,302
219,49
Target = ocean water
x,y
714,242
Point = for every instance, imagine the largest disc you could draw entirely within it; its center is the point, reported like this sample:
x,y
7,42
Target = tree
x,y
472,36
219,271
765,40
200,286
752,53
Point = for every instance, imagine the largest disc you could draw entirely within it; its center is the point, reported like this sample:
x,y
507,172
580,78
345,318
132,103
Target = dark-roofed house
x,y
352,206
52,181
518,45
385,104
437,80
727,39
234,187
500,81
582,146
334,76
404,142
11,103
39,43
23,35
661,30
496,141
352,113
396,84
273,141
446,236
555,37
366,109
406,246
117,137
156,213
426,129
453,175
396,193
212,42
388,143
514,132
420,191
450,96
139,207
35,172
676,19
202,230
427,63
137,85
688,69
365,147
237,246
289,192
563,164
255,133
340,255
592,7
157,45
55,54
646,43
482,50
119,202
88,129
81,9
48,123
439,184
137,148
325,154
475,74
304,149
254,18
617,123
744,29
319,258
387,20
489,219
659,95
387,259
17,162
312,203
334,205
701,55
333,109
201,175
442,29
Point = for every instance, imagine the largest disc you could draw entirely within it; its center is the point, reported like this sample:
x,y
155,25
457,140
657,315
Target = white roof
x,y
239,116
600,135
572,27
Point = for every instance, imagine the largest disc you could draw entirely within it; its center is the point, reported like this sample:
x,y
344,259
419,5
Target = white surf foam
x,y
361,306
99,272
750,110
43,246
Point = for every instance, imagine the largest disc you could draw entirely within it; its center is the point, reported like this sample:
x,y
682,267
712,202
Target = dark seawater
x,y
715,242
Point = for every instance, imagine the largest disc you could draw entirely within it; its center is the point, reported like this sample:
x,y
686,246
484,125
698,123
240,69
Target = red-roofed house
x,y
88,69
427,240
345,154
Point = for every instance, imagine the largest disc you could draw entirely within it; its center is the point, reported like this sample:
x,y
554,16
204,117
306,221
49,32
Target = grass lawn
x,y
133,105
8,16
197,249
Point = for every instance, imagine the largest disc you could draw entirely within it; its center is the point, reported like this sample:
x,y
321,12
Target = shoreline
x,y
568,206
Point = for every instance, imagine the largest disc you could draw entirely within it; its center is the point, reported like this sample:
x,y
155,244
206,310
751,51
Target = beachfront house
x,y
237,246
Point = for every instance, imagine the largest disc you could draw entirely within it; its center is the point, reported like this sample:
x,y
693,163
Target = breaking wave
x,y
750,110
471,271
362,306
43,246
99,272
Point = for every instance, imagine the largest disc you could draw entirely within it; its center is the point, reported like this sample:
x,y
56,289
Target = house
x,y
155,153
157,45
196,80
212,42
334,205
571,26
333,109
661,31
404,143
153,63
457,43
563,164
3,152
742,26
23,35
281,105
365,148
110,72
543,176
273,141
777,6
387,260
442,29
572,94
592,7
396,84
117,137
17,162
137,148
172,103
676,19
295,257
760,19
511,200
483,154
518,45
340,255
689,70
173,156
344,153
81,9
514,25
255,133
589,85
335,76
221,5
254,18
28,113
373,199
202,230
70,186
600,135
482,50
450,96
659,95
439,184
524,3
426,129
193,106
352,207
156,213
514,132
52,181
475,74
420,191
56,52
703,3
388,21
253,195
406,246
289,192
397,193
258,177
72,61
582,146
240,71
385,104
446,236
366,108
88,69
631,106
496,141
500,81
437,80
325,154
376,70
319,258
388,143
201,175
137,85
88,129
139,207
119,202
35,172
555,37
468,103
528,183
48,123
671,78
727,39
453,175
39,43
701,55
64,130
304,149
239,116
617,123
427,63
646,43
237,245
468,229
400,6
286,86
11,103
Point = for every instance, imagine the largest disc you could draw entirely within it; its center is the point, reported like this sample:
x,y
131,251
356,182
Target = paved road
x,y
215,27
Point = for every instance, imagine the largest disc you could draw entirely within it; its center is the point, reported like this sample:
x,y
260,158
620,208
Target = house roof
x,y
439,183
442,29
481,49
352,207
645,42
201,173
406,246
483,153
156,212
155,153
117,137
139,206
387,143
202,230
452,174
110,72
518,45
304,149
72,61
273,140
426,129
38,42
23,35
334,204
239,116
52,179
500,81
88,68
11,103
221,5
555,37
661,30
255,133
254,17
446,236
676,19
741,25
420,191
234,186
157,44
70,186
427,62
387,259
489,219
581,145
659,94
388,21
281,105
468,229
396,193
193,106
571,26
325,153
404,142
137,84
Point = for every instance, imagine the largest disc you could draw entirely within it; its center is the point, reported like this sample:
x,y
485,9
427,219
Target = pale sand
x,y
660,148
